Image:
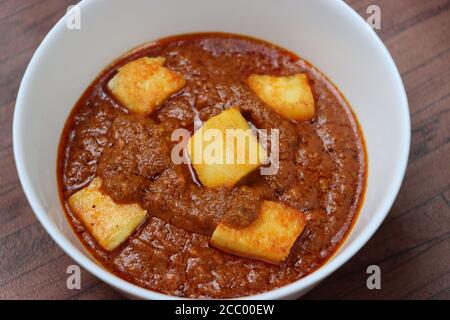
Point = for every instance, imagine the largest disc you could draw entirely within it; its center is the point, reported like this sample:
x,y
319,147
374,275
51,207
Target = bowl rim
x,y
129,288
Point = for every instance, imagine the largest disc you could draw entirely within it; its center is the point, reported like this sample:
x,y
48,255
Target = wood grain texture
x,y
412,246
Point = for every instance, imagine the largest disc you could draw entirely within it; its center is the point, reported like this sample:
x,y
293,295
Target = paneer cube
x,y
143,84
269,238
108,222
289,96
225,149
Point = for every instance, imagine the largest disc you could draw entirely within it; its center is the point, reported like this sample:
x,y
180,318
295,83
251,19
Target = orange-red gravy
x,y
322,169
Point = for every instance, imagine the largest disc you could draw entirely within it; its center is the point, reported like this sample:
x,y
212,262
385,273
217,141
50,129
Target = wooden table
x,y
413,245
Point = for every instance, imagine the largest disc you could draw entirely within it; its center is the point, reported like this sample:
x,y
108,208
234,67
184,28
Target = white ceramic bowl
x,y
328,33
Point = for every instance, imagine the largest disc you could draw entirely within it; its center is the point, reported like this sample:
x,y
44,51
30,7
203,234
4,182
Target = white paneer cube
x,y
289,96
143,84
269,238
108,222
236,149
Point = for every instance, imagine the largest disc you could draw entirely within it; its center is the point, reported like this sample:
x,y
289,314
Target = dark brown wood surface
x,y
412,247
